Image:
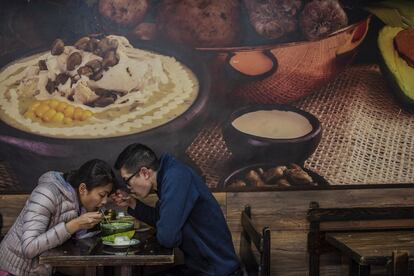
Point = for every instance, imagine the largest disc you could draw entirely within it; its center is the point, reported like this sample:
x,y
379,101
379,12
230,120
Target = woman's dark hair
x,y
94,173
136,156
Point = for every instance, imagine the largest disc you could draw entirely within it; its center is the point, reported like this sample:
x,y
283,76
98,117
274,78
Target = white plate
x,y
132,242
143,229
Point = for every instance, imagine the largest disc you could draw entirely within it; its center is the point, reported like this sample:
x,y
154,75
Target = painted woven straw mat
x,y
367,138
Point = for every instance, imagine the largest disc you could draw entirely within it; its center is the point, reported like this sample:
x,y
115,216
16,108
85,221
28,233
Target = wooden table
x,y
91,253
370,248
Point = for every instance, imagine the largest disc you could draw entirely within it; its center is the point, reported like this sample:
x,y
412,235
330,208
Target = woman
x,y
60,206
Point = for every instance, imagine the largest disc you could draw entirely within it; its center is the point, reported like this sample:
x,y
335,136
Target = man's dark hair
x,y
136,156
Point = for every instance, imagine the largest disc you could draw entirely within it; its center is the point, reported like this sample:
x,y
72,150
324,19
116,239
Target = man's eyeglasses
x,y
129,178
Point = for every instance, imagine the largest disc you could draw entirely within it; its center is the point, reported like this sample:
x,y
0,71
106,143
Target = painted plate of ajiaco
x,y
95,88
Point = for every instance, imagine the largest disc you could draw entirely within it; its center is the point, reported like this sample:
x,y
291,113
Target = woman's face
x,y
94,199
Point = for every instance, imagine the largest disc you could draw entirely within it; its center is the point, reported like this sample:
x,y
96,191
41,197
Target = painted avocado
x,y
395,67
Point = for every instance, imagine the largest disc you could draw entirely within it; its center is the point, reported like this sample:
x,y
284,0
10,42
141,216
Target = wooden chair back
x,y
402,264
323,220
261,241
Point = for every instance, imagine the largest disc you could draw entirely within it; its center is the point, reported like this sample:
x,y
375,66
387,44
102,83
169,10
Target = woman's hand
x,y
84,221
123,199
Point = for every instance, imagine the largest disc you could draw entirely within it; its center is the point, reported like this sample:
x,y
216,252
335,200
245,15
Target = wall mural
x,y
252,95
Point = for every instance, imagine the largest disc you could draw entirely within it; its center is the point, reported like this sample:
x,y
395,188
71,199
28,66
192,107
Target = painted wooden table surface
x,y
92,253
370,248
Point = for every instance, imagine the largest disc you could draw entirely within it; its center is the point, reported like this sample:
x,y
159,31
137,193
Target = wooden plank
x,y
363,214
10,208
372,224
287,210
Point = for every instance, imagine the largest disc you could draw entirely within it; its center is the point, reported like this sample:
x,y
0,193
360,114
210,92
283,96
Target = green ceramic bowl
x,y
116,227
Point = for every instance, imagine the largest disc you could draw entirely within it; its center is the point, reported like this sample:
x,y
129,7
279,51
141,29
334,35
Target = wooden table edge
x,y
345,249
109,260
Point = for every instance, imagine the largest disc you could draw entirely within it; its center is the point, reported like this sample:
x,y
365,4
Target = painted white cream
x,y
274,124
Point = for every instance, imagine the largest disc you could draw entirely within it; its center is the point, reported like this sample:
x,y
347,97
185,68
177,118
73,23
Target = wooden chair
x,y
402,264
323,220
261,241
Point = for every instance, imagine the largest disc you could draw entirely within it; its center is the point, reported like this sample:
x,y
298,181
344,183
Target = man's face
x,y
138,182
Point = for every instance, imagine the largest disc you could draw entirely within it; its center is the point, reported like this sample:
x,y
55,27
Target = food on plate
x,y
200,23
237,184
279,176
320,18
297,176
251,63
124,12
274,124
254,178
122,240
396,48
111,238
273,174
273,19
99,87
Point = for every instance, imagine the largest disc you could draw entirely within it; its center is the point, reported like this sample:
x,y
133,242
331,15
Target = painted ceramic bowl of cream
x,y
271,133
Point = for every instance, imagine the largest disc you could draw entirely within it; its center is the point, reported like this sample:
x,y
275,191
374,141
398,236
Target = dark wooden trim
x,y
261,241
109,260
316,188
289,189
371,213
265,261
250,230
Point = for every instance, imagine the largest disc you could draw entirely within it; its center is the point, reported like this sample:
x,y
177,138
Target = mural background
x,y
367,133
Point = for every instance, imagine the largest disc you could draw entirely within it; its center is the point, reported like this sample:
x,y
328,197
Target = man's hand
x,y
123,199
85,221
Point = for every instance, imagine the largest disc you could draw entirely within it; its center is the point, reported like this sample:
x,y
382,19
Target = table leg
x,y
364,270
356,269
125,270
90,271
100,270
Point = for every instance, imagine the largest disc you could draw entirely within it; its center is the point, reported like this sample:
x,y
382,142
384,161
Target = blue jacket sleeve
x,y
177,201
145,213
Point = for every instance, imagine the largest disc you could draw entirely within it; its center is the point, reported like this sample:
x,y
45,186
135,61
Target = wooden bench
x,y
325,220
261,241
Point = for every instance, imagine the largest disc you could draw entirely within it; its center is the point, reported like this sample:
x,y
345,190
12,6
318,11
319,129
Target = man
x,y
186,216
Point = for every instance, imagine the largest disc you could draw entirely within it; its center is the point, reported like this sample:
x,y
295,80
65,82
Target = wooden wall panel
x,y
10,207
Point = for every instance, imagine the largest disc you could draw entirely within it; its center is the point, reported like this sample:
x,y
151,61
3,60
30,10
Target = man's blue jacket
x,y
188,216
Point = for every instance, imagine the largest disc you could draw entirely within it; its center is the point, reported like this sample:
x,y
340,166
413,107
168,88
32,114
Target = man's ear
x,y
83,190
146,172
